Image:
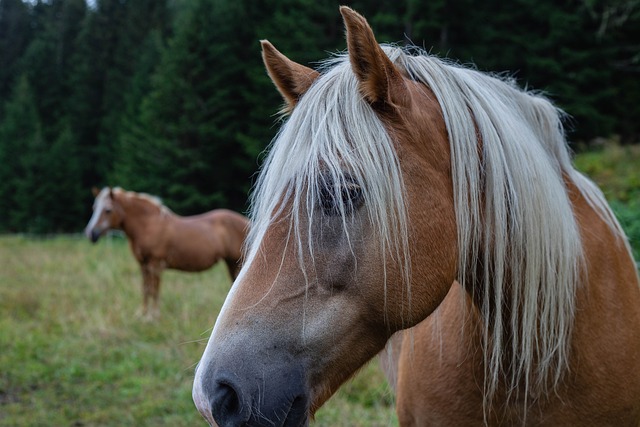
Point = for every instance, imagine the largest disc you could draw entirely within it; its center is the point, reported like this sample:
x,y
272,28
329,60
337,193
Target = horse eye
x,y
107,211
349,195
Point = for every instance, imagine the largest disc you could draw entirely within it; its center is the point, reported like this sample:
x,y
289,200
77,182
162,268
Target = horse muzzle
x,y
270,396
93,235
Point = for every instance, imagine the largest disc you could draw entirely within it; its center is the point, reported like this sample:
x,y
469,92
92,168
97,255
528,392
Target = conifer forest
x,y
170,97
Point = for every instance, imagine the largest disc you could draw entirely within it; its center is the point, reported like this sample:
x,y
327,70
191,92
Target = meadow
x,y
73,353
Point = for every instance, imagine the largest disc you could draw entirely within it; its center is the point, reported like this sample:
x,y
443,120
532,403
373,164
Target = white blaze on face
x,y
99,205
198,394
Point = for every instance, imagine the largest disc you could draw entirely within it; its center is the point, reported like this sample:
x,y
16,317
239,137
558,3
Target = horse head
x,y
353,237
107,214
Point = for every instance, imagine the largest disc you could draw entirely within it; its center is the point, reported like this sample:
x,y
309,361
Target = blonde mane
x,y
517,234
154,200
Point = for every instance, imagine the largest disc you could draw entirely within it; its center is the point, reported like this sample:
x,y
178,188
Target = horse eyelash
x,y
347,198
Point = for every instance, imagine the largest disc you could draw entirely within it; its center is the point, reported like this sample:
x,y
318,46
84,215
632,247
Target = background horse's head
x,y
357,179
106,215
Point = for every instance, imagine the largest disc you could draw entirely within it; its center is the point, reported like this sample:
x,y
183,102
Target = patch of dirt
x,y
7,397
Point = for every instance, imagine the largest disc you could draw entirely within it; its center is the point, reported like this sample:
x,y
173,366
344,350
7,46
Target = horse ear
x,y
381,82
95,191
291,79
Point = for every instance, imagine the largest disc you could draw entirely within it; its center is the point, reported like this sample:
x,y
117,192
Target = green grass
x,y
616,169
72,352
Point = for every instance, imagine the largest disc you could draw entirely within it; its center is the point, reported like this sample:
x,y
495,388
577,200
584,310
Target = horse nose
x,y
95,235
229,393
227,405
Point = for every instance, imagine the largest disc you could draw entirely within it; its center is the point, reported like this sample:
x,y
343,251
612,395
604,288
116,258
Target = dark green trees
x,y
171,97
210,109
22,143
183,145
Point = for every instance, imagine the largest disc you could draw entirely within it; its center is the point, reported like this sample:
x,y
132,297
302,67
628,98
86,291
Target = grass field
x,y
616,169
72,352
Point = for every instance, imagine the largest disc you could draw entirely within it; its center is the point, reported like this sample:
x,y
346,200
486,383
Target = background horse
x,y
160,239
396,176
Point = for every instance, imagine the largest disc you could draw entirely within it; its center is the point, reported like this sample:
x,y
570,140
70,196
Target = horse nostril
x,y
226,399
226,406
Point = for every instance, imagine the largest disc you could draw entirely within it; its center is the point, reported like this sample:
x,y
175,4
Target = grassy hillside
x,y
616,169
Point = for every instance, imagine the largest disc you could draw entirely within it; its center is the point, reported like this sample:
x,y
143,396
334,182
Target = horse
x,y
160,239
428,210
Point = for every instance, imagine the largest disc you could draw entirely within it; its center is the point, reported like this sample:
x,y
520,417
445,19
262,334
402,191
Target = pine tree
x,y
110,48
183,146
21,141
15,34
60,205
212,107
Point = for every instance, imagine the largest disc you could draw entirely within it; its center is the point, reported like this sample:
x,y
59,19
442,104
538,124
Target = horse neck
x,y
137,214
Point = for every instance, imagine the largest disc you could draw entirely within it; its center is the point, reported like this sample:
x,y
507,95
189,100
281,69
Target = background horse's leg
x,y
154,293
143,310
150,292
234,268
